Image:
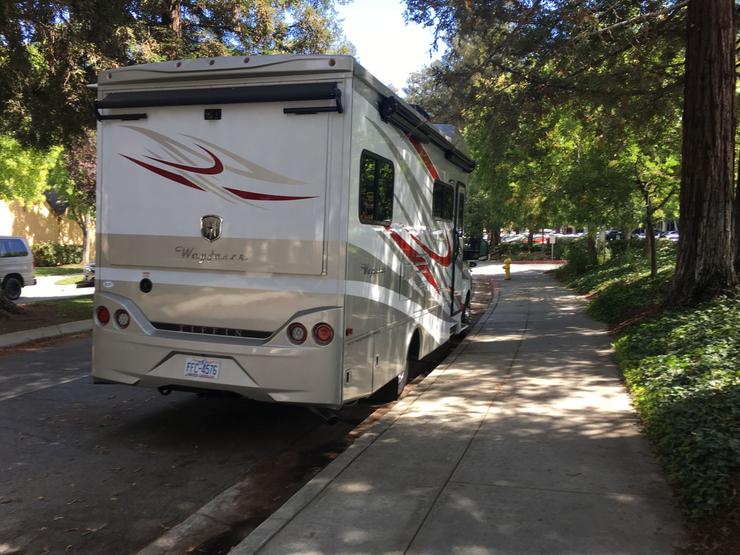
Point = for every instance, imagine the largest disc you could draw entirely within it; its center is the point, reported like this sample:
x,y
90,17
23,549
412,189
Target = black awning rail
x,y
219,95
410,122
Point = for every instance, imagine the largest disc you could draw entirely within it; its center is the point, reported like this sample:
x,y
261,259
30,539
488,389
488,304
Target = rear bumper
x,y
273,370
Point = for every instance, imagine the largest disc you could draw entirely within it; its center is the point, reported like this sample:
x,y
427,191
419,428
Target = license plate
x,y
202,368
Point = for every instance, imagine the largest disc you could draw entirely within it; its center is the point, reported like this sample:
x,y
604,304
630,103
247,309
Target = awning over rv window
x,y
223,95
409,121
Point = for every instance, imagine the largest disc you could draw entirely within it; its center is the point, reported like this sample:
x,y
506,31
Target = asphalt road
x,y
109,468
106,468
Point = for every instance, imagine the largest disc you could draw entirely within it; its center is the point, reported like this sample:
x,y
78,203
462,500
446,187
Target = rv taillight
x,y
323,334
122,319
297,333
103,315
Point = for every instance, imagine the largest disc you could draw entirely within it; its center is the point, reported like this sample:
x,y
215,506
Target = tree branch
x,y
639,19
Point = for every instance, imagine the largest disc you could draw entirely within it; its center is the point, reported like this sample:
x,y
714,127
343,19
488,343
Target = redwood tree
x,y
704,266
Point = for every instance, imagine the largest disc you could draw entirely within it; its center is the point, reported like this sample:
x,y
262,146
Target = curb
x,y
18,337
303,497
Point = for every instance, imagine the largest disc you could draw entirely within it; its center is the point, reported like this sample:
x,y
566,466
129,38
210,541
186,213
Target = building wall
x,y
38,224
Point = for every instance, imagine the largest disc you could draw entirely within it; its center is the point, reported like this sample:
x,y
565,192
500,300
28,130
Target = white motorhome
x,y
283,227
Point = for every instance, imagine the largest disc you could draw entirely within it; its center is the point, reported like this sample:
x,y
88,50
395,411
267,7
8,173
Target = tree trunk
x,y
8,306
649,229
593,255
736,215
87,223
704,266
172,15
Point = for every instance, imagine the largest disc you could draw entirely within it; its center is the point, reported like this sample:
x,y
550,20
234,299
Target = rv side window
x,y
443,201
376,189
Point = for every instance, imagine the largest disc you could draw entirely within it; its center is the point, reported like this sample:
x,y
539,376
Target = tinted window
x,y
376,189
443,201
12,247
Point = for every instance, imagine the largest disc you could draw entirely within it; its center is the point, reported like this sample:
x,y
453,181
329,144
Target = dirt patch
x,y
643,314
48,313
720,536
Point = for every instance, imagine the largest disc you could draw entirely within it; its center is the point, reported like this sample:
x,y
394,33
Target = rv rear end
x,y
220,239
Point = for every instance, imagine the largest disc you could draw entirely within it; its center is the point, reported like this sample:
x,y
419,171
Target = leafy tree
x,y
50,51
74,182
24,172
620,62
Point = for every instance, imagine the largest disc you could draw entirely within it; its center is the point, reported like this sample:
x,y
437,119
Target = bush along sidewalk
x,y
682,368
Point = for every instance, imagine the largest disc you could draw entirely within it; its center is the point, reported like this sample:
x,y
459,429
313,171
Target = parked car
x,y
614,234
88,275
16,266
671,236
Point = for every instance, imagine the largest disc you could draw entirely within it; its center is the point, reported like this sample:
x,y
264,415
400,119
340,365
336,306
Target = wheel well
x,y
20,278
414,345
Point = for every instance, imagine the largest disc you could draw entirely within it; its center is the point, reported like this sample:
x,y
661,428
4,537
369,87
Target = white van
x,y
283,227
16,266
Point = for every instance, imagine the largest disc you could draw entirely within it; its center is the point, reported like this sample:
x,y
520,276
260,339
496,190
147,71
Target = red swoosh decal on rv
x,y
216,168
176,177
424,157
249,195
415,258
444,260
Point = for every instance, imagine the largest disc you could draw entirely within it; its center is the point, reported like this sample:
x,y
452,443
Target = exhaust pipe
x,y
328,416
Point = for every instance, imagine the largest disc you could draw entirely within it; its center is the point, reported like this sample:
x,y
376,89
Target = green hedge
x,y
55,254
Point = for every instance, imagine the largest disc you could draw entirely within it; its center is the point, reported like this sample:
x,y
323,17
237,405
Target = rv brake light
x,y
297,333
323,334
103,315
122,319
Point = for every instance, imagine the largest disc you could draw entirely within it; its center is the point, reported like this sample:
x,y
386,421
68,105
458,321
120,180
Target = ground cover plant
x,y
620,288
682,370
682,367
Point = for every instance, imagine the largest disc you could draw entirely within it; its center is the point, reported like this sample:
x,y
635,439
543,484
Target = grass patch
x,y
682,368
70,280
78,308
68,269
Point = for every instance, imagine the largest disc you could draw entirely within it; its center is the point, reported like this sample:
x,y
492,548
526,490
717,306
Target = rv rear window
x,y
443,201
376,189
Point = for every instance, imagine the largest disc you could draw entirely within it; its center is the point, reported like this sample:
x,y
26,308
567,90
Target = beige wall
x,y
38,224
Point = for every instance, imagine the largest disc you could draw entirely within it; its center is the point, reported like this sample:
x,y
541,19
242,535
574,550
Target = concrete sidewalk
x,y
525,442
46,289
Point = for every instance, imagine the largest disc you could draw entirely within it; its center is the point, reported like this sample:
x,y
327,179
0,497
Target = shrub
x,y
620,247
576,253
56,254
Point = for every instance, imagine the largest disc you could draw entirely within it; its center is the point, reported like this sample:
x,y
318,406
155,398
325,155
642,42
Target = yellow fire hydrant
x,y
507,268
